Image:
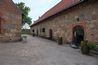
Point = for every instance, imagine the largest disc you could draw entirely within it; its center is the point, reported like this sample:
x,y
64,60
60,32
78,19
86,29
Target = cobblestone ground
x,y
38,51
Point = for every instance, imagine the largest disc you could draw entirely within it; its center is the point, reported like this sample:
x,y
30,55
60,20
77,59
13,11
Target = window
x,y
32,30
0,24
43,30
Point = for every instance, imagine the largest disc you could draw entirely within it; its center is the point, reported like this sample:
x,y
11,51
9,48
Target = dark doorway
x,y
50,34
43,30
78,35
33,31
37,33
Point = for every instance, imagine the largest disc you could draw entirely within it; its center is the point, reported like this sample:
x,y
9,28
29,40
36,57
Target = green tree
x,y
25,10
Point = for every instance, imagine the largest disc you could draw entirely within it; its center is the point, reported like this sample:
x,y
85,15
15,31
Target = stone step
x,y
94,52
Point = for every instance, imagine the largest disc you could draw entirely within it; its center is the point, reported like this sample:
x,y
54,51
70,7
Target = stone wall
x,y
11,27
85,14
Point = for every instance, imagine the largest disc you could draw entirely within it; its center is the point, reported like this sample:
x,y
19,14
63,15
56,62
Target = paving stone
x,y
38,51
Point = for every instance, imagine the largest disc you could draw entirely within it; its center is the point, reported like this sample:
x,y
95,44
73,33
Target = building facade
x,y
76,20
10,21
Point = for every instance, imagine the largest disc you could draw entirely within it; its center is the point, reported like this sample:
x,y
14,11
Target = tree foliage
x,y
25,10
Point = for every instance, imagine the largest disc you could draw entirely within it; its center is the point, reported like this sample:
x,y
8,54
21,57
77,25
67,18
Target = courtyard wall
x,y
84,14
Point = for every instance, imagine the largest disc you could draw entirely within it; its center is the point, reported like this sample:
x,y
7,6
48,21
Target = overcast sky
x,y
38,7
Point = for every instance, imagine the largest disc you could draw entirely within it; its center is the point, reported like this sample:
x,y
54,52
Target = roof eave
x,y
59,12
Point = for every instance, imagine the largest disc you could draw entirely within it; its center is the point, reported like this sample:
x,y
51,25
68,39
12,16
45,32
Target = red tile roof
x,y
64,4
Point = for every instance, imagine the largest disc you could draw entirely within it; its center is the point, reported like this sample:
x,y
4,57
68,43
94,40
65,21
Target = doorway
x,y
78,35
37,33
50,34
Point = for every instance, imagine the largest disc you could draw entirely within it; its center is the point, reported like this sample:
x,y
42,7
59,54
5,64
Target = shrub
x,y
25,36
59,38
85,42
86,47
91,46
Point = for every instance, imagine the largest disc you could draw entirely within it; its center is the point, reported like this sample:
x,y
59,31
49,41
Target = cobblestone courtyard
x,y
38,51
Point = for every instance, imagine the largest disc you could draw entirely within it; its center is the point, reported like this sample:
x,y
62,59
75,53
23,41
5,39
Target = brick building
x,y
73,20
10,21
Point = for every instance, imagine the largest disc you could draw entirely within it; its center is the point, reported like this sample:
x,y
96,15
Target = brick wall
x,y
11,21
7,6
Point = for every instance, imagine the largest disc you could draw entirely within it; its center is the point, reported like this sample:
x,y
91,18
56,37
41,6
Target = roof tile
x,y
64,4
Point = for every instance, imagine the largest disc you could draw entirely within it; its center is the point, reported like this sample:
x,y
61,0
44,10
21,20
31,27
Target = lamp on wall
x,y
77,18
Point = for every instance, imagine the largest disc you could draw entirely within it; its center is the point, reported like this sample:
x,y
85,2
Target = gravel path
x,y
38,51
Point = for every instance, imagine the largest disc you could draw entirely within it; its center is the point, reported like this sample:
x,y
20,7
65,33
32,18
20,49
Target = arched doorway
x,y
78,35
50,34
